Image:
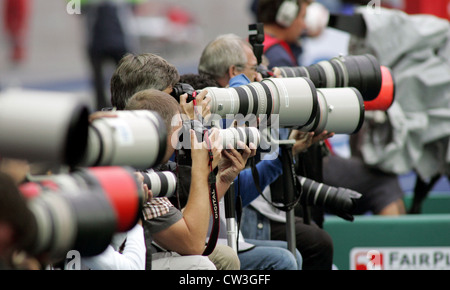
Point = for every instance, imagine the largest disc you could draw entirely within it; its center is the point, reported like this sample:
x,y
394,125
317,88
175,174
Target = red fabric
x,y
16,20
270,41
438,8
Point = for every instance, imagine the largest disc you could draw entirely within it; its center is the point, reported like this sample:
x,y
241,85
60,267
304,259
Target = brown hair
x,y
154,100
140,72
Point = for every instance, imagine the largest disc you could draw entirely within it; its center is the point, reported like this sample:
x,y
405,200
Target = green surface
x,y
424,230
435,203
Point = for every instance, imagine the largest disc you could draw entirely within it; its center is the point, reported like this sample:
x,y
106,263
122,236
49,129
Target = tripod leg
x,y
290,232
289,187
230,214
421,191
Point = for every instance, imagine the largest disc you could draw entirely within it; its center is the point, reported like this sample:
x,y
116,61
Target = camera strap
x,y
286,207
213,237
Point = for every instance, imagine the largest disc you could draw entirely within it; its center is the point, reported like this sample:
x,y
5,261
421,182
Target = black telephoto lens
x,y
362,72
338,201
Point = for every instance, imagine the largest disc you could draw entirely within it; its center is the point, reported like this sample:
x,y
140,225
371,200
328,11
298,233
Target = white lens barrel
x,y
321,119
297,101
345,110
133,138
223,101
37,126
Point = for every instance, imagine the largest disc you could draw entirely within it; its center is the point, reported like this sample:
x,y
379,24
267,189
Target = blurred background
x,y
55,57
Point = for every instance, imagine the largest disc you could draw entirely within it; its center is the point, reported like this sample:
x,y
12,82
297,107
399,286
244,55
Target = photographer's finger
x,y
201,96
235,155
246,153
183,98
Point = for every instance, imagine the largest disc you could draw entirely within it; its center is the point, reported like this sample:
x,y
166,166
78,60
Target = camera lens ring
x,y
339,62
255,99
364,74
329,74
96,132
164,184
161,183
243,100
268,98
261,102
339,73
321,118
315,104
362,110
287,72
317,75
105,134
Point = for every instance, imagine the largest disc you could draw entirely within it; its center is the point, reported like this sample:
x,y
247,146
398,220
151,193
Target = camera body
x,y
183,88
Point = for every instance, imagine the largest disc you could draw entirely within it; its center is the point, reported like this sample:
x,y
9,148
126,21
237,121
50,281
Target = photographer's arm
x,y
188,235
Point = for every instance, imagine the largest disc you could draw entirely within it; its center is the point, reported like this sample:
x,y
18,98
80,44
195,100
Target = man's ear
x,y
233,71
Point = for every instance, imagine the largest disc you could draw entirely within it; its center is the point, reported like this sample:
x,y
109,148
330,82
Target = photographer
x,y
185,233
149,71
239,67
253,254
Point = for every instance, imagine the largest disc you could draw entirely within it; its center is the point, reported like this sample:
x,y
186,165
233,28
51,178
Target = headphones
x,y
287,13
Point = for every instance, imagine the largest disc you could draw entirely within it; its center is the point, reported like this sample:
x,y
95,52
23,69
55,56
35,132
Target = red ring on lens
x,y
121,188
387,94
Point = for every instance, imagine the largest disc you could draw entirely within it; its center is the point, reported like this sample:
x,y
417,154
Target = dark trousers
x,y
100,81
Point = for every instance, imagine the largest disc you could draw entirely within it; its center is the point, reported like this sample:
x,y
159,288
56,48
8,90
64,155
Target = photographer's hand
x,y
201,102
148,195
305,139
276,72
231,164
101,114
200,151
323,136
302,141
